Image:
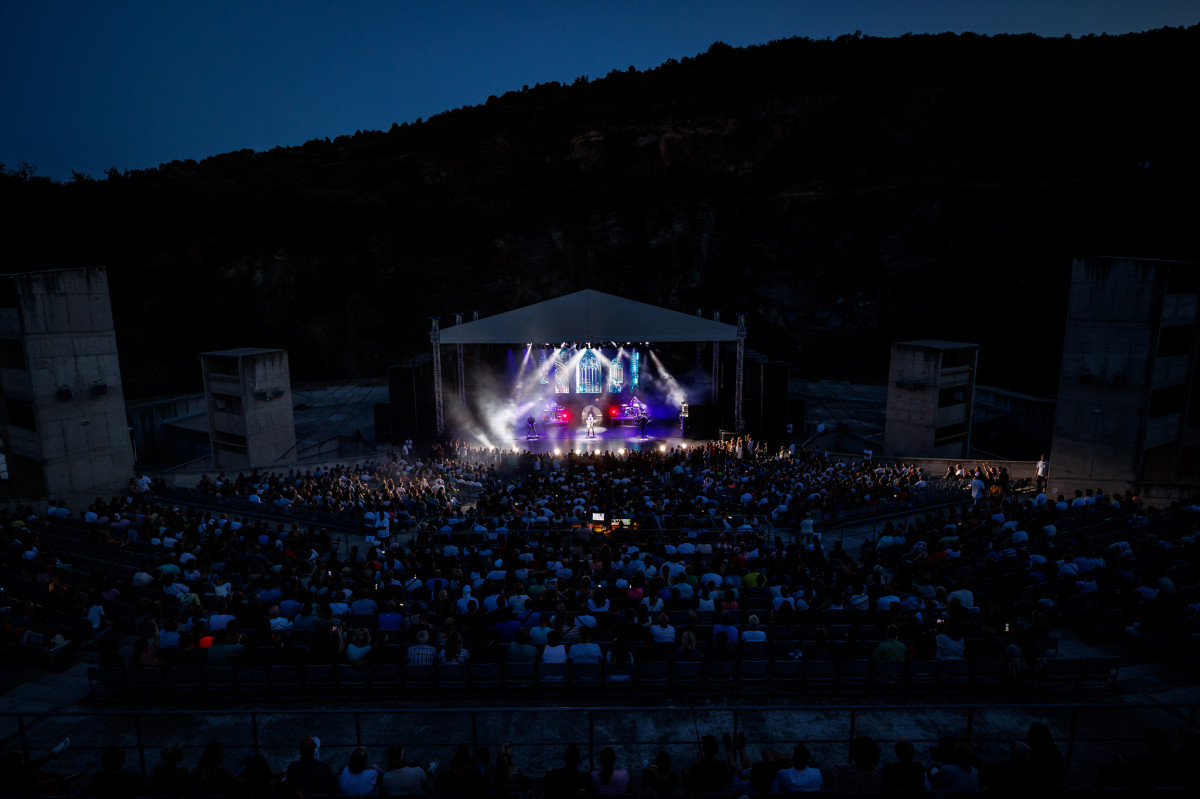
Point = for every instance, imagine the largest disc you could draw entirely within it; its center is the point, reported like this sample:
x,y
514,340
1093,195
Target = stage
x,y
572,437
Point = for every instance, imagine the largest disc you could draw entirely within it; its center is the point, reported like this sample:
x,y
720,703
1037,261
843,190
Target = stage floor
x,y
662,433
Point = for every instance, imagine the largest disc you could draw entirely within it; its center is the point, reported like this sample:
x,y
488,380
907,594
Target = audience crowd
x,y
614,558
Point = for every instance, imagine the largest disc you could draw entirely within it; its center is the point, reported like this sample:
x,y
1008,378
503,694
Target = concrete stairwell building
x,y
1128,411
63,428
249,396
931,393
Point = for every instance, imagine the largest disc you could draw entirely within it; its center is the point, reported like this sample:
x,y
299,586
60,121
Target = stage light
x,y
662,447
621,451
557,451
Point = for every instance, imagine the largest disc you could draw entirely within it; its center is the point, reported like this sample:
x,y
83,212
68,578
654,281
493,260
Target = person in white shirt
x,y
800,776
663,632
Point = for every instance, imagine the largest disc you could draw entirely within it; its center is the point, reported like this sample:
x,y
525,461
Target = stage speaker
x,y
383,422
410,401
701,421
773,400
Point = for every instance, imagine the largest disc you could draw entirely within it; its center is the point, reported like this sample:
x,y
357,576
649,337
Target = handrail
x,y
966,729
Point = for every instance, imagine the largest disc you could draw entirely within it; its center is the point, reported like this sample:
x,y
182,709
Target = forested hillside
x,y
844,194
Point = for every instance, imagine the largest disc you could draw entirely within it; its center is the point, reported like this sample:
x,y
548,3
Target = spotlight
x,y
662,447
557,451
621,451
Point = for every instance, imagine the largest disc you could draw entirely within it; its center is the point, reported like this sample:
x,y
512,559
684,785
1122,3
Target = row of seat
x,y
825,793
749,677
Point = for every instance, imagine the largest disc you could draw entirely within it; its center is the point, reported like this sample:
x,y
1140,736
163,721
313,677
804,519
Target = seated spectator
x,y
961,776
891,648
566,782
663,632
402,777
114,782
359,649
520,650
454,651
799,776
357,778
461,777
554,652
658,775
950,644
753,633
726,625
904,774
688,648
608,780
1046,762
709,774
210,777
585,651
308,774
620,665
421,653
861,774
169,777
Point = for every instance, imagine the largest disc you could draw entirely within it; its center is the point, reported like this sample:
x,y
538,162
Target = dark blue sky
x,y
90,85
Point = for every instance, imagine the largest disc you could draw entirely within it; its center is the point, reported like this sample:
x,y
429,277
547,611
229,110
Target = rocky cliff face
x,y
842,194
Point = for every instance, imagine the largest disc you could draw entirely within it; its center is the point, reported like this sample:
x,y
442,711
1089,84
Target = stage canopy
x,y
588,316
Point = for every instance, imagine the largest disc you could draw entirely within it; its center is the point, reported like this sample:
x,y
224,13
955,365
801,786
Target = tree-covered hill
x,y
844,194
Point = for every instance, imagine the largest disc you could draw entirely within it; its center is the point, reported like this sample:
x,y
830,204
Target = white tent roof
x,y
588,316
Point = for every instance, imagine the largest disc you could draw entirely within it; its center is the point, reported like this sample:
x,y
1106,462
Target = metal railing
x,y
269,731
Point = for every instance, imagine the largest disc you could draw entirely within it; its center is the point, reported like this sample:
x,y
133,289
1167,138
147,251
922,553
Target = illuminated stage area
x,y
573,397
574,381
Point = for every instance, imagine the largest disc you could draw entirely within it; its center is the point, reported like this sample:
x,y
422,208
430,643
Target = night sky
x,y
92,85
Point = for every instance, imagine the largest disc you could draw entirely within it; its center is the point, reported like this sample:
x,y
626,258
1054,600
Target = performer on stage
x,y
591,425
530,428
644,422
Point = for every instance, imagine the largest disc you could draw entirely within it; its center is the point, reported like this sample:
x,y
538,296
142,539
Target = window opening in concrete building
x,y
1175,340
12,354
222,366
20,413
1166,401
